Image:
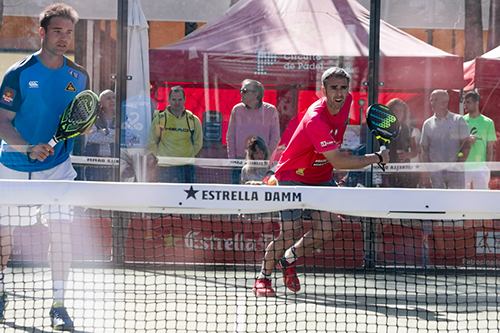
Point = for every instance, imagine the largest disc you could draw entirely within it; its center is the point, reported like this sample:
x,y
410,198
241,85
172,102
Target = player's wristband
x,y
380,159
27,148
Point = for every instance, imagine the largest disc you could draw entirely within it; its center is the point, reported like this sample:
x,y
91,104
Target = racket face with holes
x,y
79,115
382,123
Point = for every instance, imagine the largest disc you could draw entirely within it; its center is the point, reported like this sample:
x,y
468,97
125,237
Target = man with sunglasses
x,y
251,117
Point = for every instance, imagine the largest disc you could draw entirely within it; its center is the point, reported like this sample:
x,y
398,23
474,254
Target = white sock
x,y
58,291
290,255
262,275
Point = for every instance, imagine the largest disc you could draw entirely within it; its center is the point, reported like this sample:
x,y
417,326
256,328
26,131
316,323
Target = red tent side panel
x,y
172,65
395,72
484,73
422,72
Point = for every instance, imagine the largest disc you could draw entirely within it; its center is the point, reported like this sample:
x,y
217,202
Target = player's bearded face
x,y
58,35
470,105
336,93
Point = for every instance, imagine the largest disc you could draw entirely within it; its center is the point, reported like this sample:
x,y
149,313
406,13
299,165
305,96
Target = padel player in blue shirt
x,y
33,95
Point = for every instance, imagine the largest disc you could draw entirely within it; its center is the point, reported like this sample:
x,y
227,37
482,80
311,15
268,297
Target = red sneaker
x,y
289,275
262,287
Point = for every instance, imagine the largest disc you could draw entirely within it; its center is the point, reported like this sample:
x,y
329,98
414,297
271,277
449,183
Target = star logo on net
x,y
191,193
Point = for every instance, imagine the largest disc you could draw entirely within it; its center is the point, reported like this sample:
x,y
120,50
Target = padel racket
x,y
383,124
79,115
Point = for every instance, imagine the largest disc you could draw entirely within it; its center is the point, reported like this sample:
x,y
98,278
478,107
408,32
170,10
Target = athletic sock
x,y
262,275
1,283
58,292
290,255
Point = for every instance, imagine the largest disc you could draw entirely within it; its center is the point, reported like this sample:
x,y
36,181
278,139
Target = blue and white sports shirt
x,y
39,95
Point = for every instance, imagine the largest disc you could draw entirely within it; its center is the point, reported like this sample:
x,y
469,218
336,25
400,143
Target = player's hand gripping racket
x,y
79,115
383,124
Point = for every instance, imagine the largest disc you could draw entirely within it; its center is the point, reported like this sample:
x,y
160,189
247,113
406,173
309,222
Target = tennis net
x,y
184,258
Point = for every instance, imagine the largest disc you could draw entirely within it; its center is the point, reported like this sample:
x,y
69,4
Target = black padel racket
x,y
383,124
79,115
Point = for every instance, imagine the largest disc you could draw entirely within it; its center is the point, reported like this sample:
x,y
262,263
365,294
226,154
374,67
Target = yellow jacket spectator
x,y
176,132
175,136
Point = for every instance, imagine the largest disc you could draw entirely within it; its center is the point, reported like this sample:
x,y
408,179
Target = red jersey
x,y
319,131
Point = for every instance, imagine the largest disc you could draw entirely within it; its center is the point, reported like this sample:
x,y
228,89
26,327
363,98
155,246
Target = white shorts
x,y
30,215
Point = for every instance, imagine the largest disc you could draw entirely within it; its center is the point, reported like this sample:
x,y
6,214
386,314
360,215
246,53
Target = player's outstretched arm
x,y
340,160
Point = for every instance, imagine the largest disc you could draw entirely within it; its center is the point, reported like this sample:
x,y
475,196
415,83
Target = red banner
x,y
453,243
240,241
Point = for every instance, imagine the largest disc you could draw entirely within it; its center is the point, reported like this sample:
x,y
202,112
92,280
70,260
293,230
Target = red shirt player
x,y
308,160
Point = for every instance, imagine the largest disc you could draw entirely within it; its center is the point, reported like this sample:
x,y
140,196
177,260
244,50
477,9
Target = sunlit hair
x,y
441,91
395,102
255,86
336,72
102,110
176,89
472,95
57,10
258,141
106,92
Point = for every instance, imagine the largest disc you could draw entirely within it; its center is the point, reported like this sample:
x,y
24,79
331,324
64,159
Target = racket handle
x,y
382,148
53,142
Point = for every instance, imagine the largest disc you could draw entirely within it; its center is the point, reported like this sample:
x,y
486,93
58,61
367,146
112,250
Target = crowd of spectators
x,y
253,133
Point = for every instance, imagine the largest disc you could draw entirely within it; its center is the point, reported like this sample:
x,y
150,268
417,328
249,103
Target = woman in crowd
x,y
404,148
257,151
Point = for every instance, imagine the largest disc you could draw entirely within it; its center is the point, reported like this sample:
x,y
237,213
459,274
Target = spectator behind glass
x,y
404,148
445,140
257,151
482,137
251,117
176,132
101,141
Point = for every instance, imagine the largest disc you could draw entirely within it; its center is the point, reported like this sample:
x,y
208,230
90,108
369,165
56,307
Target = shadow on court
x,y
12,327
341,301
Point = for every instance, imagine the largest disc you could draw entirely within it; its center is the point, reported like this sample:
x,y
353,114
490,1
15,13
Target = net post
x,y
369,242
121,74
119,223
373,75
373,79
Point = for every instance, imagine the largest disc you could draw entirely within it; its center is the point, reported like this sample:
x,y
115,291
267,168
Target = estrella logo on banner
x,y
189,240
221,239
